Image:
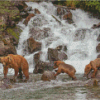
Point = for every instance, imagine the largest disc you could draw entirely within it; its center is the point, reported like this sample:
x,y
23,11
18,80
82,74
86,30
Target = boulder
x,y
48,75
98,48
54,55
33,45
41,66
28,18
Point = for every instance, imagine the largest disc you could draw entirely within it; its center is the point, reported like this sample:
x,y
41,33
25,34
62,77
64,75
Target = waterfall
x,y
79,38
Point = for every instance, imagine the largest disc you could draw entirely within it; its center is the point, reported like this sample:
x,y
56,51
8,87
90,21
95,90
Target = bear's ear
x,y
55,62
9,58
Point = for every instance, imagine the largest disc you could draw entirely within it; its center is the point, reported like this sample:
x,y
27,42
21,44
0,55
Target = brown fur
x,y
64,68
17,62
93,65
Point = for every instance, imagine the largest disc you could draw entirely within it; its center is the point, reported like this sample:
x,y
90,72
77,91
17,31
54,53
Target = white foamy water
x,y
81,47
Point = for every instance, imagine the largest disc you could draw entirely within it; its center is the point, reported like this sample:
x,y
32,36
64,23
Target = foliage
x,y
93,5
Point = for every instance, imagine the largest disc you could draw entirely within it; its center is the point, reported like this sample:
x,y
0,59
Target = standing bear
x,y
93,65
18,63
65,68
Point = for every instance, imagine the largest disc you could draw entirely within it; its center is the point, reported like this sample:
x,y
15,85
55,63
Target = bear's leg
x,y
16,73
58,72
20,74
72,75
5,71
26,73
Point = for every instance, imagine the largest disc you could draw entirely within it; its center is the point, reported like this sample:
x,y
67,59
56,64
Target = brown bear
x,y
17,62
64,68
93,65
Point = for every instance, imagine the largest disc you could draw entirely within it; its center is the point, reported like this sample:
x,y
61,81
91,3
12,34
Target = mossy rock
x,y
14,32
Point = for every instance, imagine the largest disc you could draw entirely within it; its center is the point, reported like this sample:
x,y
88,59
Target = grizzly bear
x,y
64,68
93,65
18,63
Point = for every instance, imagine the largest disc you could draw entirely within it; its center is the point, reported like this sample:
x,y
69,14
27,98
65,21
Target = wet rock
x,y
98,48
36,11
47,76
54,55
96,26
33,45
28,18
41,66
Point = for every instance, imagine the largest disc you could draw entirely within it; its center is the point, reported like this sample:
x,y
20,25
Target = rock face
x,y
41,66
48,75
6,47
33,45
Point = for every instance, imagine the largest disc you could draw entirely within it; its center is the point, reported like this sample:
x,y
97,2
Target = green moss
x,y
14,32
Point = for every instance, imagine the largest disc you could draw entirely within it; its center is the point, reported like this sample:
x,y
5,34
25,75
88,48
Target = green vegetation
x,y
92,6
14,32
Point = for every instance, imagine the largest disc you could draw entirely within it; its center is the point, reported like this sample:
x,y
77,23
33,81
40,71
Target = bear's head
x,y
87,70
57,63
5,60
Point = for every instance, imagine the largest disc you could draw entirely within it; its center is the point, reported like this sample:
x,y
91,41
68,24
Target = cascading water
x,y
79,38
